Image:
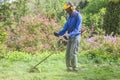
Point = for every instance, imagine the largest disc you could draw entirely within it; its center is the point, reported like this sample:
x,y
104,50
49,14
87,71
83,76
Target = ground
x,y
54,68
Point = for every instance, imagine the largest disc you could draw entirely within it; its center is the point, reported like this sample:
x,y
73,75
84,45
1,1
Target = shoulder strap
x,y
76,16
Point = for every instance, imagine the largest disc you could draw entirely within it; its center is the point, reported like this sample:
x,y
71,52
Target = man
x,y
73,28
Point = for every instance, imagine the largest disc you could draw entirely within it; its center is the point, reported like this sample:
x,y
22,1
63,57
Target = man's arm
x,y
62,31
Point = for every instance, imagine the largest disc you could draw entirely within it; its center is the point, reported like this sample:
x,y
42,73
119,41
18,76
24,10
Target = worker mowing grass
x,y
73,28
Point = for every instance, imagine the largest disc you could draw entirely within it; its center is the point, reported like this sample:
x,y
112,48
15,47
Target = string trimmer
x,y
35,69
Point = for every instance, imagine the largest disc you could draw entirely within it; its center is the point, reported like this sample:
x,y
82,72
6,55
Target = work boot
x,y
69,69
75,69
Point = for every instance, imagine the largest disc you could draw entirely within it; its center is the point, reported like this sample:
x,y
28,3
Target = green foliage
x,y
27,32
3,37
94,19
34,35
55,9
93,14
62,20
2,34
94,6
21,9
12,12
5,13
18,56
112,18
106,47
81,5
115,1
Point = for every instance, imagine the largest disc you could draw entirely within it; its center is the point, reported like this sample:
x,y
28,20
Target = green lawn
x,y
16,67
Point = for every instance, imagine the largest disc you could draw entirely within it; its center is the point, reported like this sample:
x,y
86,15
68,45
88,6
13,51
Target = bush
x,y
94,6
106,47
93,14
90,19
18,56
34,35
3,37
53,9
112,17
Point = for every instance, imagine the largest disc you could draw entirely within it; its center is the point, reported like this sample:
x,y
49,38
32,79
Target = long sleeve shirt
x,y
72,25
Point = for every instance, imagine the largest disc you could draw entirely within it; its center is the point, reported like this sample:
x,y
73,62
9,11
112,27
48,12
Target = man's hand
x,y
65,37
56,34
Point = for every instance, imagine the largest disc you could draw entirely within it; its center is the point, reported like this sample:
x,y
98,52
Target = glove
x,y
65,37
56,34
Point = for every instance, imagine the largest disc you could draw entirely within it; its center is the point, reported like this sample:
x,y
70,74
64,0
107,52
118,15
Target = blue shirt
x,y
72,25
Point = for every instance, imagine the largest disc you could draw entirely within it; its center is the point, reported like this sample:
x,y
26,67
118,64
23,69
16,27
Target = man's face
x,y
69,11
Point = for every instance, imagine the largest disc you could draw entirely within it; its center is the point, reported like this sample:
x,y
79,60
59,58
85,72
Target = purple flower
x,y
113,39
110,38
91,39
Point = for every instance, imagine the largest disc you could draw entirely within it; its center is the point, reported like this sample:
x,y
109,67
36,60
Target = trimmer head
x,y
34,69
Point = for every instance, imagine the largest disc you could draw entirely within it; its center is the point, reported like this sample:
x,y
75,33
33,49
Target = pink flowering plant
x,y
33,34
103,46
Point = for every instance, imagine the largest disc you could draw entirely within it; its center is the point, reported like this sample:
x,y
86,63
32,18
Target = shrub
x,y
94,6
34,35
112,17
106,47
93,14
18,56
3,37
53,9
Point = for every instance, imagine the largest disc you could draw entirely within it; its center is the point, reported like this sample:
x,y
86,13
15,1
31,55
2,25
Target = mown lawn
x,y
16,67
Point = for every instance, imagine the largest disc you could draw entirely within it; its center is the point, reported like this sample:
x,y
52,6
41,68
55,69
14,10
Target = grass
x,y
54,68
